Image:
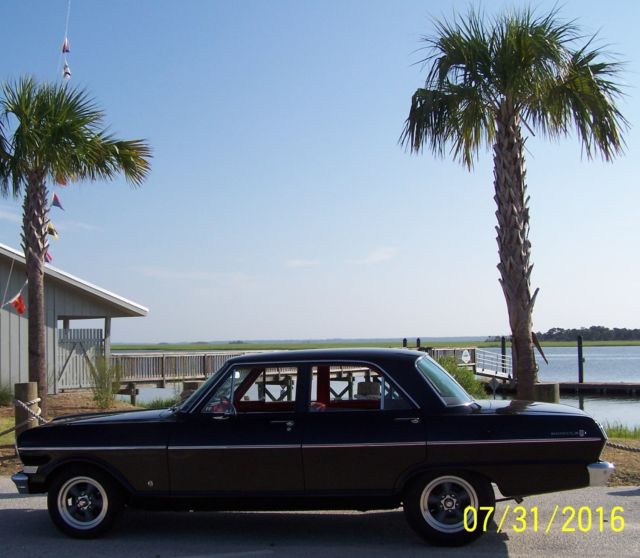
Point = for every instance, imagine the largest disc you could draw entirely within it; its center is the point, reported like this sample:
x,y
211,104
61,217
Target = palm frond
x,y
58,130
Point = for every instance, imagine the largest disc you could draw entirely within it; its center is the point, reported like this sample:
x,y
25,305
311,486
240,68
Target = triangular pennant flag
x,y
66,72
48,257
52,230
65,46
18,303
55,202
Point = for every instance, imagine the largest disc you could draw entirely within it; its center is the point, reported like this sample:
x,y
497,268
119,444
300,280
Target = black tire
x,y
84,502
435,504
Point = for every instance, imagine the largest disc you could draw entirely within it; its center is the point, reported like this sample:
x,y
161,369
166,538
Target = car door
x,y
245,438
361,433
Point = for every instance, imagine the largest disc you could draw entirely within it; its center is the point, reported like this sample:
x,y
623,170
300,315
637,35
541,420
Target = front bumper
x,y
22,483
600,473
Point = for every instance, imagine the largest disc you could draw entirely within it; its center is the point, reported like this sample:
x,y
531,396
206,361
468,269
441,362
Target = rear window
x,y
450,391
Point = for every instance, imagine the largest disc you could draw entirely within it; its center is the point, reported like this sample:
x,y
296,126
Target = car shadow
x,y
306,534
628,492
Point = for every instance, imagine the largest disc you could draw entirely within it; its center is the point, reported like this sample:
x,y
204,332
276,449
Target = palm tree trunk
x,y
514,248
34,243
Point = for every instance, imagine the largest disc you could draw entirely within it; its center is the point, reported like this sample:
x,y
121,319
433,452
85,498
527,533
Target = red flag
x,y
48,257
55,202
18,303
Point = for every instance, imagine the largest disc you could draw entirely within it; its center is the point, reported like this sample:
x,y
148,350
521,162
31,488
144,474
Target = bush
x,y
105,378
6,396
465,377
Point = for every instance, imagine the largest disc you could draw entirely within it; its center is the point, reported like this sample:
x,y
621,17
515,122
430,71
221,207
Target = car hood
x,y
154,415
517,407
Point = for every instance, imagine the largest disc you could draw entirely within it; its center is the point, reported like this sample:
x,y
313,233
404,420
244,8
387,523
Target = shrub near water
x,y
464,377
105,379
6,395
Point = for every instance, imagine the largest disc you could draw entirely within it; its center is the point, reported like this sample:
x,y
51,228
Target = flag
x,y
52,230
48,257
18,303
65,46
66,72
55,202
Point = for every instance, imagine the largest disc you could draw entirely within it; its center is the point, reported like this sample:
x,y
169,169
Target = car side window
x,y
353,387
255,389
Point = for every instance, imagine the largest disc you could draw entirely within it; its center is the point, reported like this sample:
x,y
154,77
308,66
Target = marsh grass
x,y
619,430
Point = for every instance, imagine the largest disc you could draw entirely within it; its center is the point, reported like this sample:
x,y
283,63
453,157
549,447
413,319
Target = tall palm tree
x,y
53,132
488,84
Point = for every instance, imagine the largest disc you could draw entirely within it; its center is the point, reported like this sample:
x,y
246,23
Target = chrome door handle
x,y
412,420
288,423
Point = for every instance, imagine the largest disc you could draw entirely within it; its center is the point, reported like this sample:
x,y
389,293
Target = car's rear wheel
x,y
438,507
84,502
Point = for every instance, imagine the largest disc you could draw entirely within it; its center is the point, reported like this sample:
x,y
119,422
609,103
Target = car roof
x,y
363,353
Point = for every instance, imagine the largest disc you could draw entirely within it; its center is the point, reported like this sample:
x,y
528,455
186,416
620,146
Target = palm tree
x,y
53,132
487,83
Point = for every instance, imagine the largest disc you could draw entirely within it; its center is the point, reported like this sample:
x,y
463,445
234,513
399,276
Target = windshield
x,y
184,406
450,391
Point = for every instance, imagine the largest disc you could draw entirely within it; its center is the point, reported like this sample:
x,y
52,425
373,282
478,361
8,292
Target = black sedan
x,y
324,429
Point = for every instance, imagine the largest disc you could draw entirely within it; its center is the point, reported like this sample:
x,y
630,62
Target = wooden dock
x,y
600,388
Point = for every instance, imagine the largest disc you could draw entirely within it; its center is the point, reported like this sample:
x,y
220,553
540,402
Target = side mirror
x,y
228,413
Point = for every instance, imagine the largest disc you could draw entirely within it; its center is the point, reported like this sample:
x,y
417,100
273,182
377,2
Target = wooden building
x,y
70,350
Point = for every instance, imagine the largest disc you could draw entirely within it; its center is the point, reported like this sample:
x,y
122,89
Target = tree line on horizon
x,y
593,333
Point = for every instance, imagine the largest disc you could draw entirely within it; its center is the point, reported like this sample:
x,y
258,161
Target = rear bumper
x,y
22,483
600,473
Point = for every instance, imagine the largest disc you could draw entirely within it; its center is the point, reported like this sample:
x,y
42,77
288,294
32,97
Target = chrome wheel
x,y
82,503
436,504
443,503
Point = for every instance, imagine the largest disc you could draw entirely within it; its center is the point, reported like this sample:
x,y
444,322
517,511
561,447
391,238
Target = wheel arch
x,y
53,470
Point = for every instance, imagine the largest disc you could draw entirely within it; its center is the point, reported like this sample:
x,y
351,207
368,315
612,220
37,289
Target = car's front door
x,y
246,438
361,433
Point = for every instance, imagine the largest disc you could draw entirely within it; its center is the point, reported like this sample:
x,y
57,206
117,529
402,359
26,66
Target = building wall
x,y
13,329
61,301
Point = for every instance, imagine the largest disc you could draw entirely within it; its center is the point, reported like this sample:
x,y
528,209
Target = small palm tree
x,y
53,132
486,84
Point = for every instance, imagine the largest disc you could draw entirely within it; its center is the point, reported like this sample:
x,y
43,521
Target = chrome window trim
x,y
310,362
435,389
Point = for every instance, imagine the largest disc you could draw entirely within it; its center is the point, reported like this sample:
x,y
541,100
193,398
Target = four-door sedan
x,y
322,429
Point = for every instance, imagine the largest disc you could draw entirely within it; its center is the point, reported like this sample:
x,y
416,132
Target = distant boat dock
x,y
160,369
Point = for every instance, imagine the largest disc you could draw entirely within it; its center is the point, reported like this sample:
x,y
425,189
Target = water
x,y
602,364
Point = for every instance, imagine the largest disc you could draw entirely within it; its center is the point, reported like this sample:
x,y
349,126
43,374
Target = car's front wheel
x,y
84,502
447,509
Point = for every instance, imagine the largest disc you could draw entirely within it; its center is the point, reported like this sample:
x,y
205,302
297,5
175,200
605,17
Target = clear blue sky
x,y
280,204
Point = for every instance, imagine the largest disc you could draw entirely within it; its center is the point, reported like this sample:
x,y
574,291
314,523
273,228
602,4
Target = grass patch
x,y
5,423
619,430
160,403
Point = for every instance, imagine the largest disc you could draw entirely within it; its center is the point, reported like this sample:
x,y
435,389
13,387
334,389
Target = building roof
x,y
120,305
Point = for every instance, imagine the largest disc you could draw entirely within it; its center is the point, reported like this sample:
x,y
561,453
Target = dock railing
x,y
163,368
